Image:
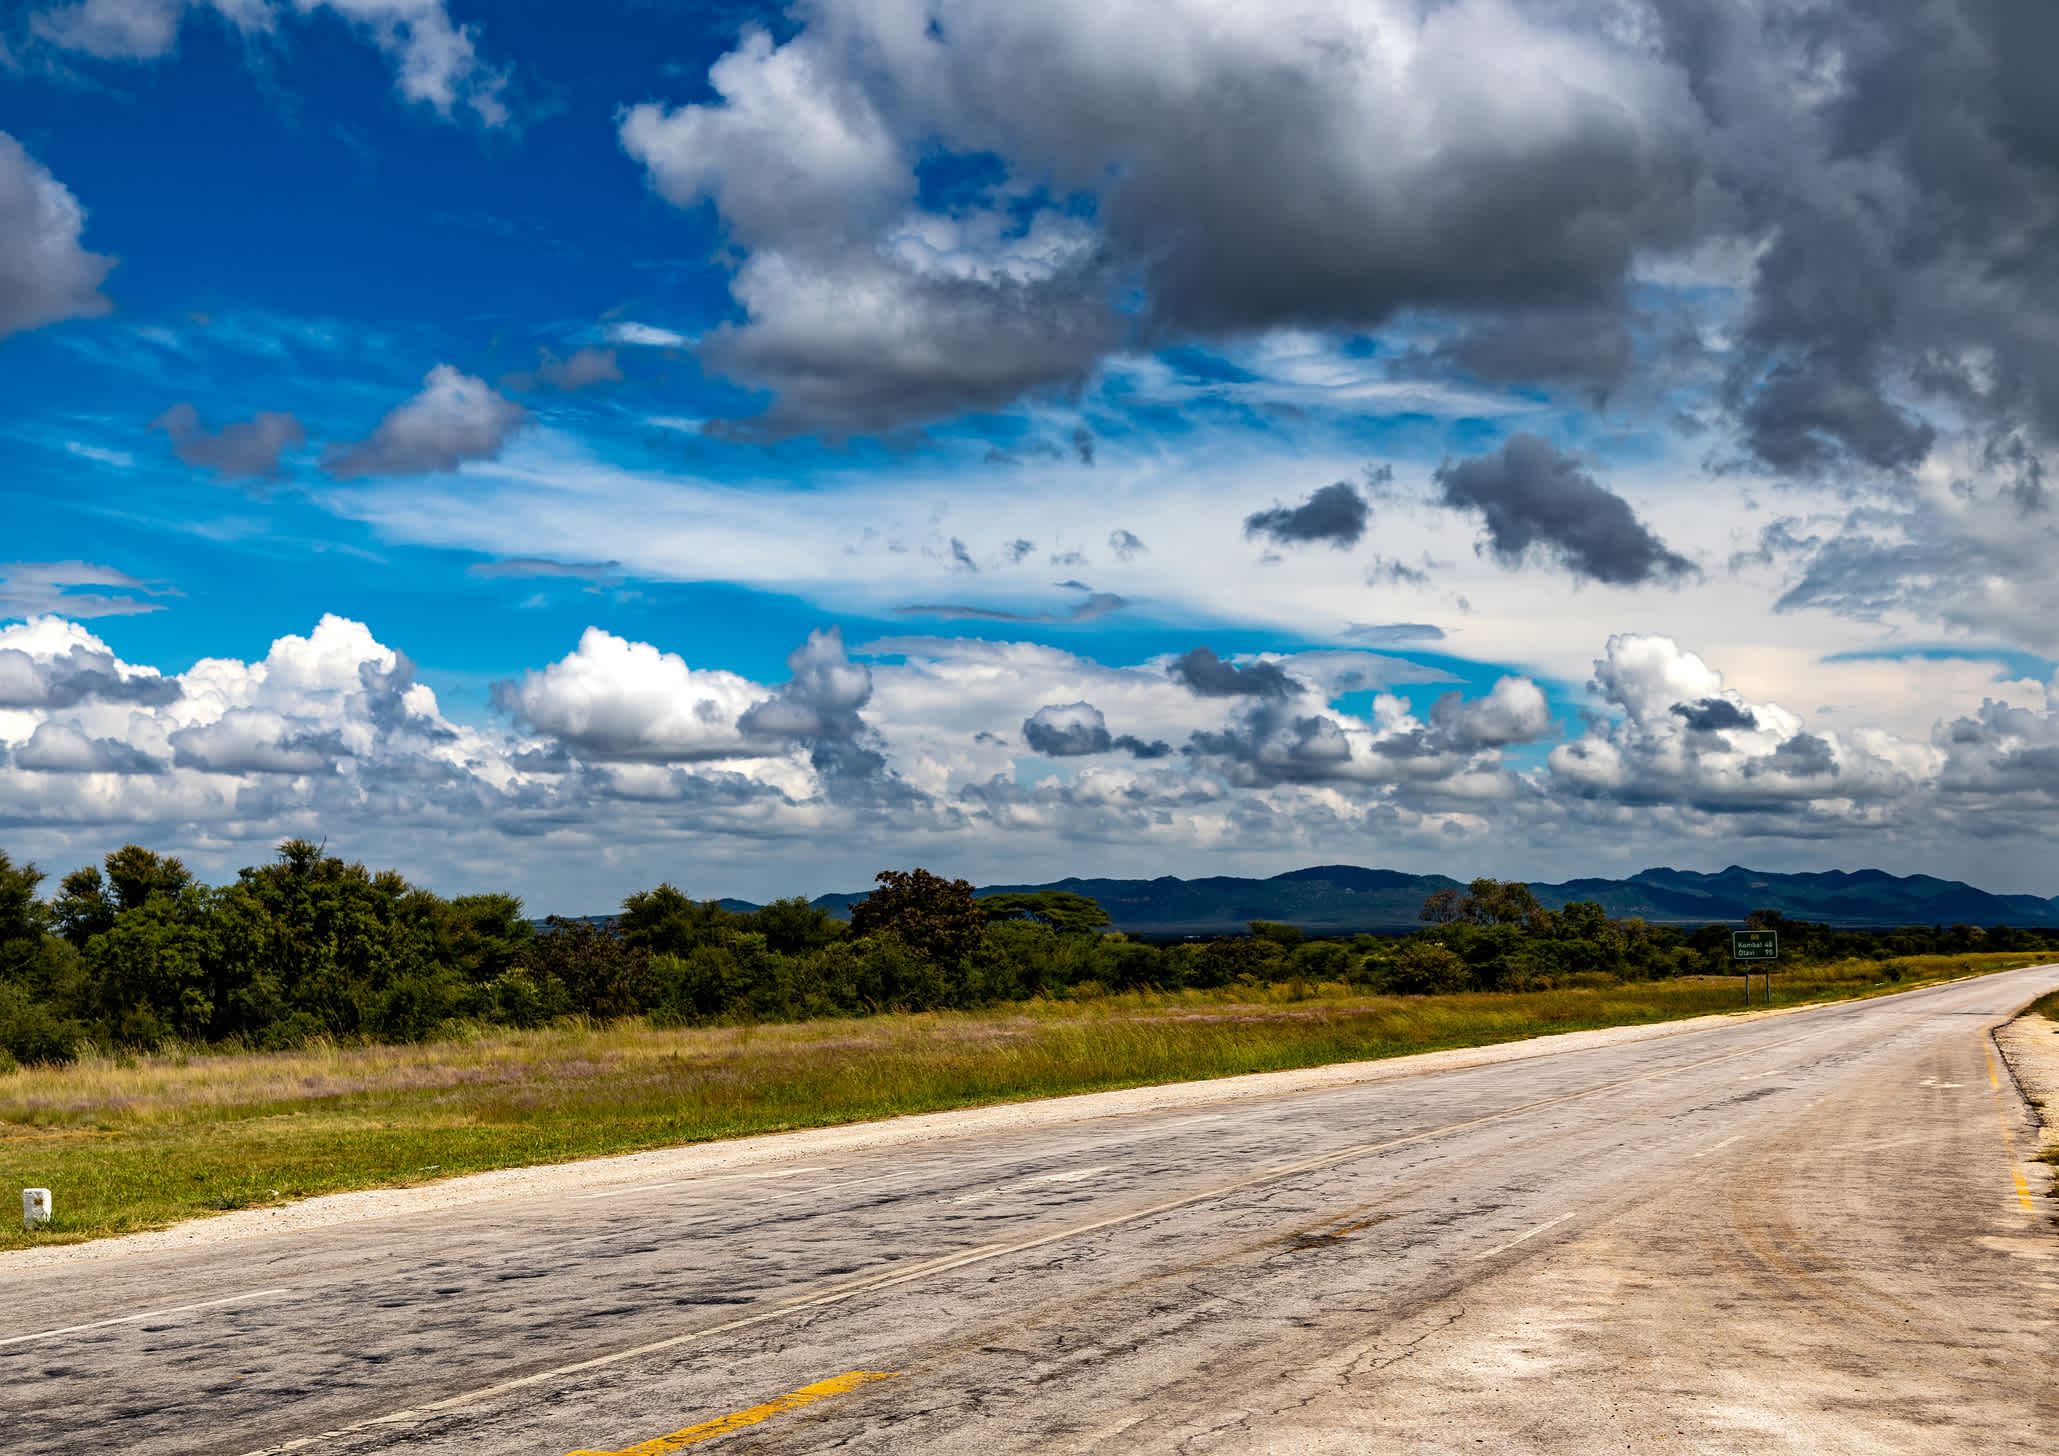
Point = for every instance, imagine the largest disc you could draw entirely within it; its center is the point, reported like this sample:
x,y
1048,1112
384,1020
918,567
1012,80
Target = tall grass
x,y
137,1141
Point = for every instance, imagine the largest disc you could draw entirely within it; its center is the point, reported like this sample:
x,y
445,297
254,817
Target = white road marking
x,y
1002,1190
1718,1147
1519,1238
129,1319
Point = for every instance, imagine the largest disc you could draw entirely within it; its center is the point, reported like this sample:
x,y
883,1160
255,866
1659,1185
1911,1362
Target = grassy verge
x,y
137,1142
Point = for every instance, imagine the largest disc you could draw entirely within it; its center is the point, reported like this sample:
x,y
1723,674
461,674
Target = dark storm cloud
x,y
1336,514
1201,672
1229,172
1714,715
1067,730
1125,545
1802,756
1075,730
1586,347
245,449
1533,497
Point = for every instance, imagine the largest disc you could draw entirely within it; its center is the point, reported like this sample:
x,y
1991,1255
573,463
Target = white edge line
x,y
1519,1238
129,1319
1718,1147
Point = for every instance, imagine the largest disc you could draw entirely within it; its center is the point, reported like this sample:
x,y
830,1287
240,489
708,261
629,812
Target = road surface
x,y
1807,1233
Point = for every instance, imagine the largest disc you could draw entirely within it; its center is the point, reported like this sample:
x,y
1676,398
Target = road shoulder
x,y
2030,1047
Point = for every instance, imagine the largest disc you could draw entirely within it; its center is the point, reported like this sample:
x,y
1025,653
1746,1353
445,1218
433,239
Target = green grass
x,y
137,1142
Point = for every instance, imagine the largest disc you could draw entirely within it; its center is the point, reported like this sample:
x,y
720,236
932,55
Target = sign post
x,y
1747,946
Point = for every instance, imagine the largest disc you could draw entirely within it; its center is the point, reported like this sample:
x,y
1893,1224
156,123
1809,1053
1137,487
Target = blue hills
x,y
1345,899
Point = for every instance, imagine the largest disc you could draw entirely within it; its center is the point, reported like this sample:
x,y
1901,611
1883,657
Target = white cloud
x,y
435,61
620,762
617,700
44,274
454,419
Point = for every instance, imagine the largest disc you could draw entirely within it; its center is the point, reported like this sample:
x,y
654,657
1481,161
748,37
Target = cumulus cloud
x,y
613,699
1681,738
1076,730
1336,514
45,275
454,419
1067,730
1514,711
63,748
1267,213
1532,496
435,61
48,662
245,448
621,746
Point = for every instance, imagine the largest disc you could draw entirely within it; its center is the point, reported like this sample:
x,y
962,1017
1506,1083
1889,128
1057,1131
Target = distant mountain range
x,y
1345,899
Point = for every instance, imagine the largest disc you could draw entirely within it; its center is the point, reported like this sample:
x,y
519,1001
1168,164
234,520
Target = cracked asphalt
x,y
1818,1232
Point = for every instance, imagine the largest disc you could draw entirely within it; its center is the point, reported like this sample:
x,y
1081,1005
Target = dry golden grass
x,y
136,1142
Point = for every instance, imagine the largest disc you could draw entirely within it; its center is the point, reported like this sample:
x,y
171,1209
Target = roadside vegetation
x,y
169,1048
135,953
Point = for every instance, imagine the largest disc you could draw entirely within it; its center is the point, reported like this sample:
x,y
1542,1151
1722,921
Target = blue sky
x,y
753,447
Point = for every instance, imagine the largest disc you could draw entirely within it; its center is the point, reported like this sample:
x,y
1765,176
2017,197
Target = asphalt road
x,y
1807,1233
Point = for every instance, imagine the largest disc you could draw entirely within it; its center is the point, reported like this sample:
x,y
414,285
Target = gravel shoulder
x,y
2030,1046
700,1160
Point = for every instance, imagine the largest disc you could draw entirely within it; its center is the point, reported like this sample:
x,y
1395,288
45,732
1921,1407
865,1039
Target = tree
x,y
1499,902
792,926
934,917
21,913
1062,910
1440,908
666,921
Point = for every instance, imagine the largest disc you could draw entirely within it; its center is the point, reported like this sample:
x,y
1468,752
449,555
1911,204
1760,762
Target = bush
x,y
1425,968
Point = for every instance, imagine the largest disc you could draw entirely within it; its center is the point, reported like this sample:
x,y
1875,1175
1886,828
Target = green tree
x,y
792,926
1060,909
935,918
667,921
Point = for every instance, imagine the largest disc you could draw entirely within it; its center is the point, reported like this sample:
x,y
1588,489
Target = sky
x,y
561,449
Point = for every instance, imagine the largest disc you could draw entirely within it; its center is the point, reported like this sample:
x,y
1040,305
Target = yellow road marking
x,y
722,1425
2008,1138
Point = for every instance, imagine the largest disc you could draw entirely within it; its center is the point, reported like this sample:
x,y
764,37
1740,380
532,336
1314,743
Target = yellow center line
x,y
736,1421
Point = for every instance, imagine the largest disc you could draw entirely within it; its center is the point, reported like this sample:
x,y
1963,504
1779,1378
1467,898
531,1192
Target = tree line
x,y
137,952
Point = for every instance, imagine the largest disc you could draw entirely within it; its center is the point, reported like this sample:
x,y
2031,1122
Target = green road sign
x,y
1755,945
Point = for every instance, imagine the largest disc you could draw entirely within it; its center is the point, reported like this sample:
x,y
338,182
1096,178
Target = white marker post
x,y
35,1207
